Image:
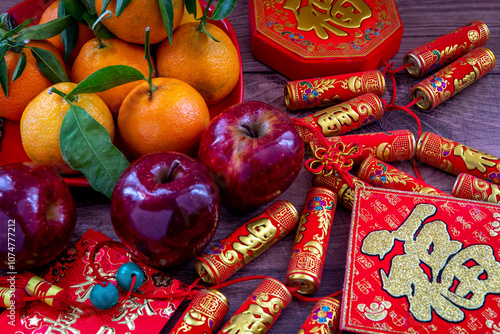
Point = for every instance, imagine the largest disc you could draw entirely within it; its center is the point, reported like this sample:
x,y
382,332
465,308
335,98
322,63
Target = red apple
x,y
165,207
255,152
37,215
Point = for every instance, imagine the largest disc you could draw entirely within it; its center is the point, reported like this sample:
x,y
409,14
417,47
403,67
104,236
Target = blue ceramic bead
x,y
104,296
124,276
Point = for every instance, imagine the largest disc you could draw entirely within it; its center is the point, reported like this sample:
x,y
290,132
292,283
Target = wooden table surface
x,y
472,118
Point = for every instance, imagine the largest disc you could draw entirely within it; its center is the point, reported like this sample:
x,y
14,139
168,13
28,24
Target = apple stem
x,y
171,170
249,129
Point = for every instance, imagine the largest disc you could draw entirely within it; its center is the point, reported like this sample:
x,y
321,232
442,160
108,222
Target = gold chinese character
x,y
435,272
334,16
253,320
474,159
262,231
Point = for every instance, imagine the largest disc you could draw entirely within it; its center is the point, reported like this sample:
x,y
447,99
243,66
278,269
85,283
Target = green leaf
x,y
4,79
86,146
4,46
191,7
106,78
69,36
46,30
105,5
75,8
50,66
167,15
21,64
120,6
223,9
90,4
14,31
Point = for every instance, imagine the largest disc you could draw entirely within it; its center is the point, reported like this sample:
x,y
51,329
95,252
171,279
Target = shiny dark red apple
x,y
254,151
37,216
166,207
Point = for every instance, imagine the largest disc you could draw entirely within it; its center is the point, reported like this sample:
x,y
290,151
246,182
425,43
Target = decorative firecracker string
x,y
130,278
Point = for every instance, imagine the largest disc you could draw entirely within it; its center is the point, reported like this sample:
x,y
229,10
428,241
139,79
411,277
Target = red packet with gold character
x,y
421,264
73,273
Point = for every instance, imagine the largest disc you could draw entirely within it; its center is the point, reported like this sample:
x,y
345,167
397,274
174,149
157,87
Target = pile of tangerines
x,y
196,68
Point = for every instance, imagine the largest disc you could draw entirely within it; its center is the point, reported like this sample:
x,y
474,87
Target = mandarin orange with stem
x,y
211,67
84,33
42,119
28,85
136,17
169,118
97,54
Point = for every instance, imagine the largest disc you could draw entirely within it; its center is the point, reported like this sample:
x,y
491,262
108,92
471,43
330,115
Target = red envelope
x,y
72,272
422,264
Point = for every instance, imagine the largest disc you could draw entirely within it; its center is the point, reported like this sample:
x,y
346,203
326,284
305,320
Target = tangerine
x,y
136,17
94,56
84,33
28,85
42,119
211,67
171,118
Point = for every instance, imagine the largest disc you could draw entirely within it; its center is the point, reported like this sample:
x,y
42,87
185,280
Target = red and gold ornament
x,y
323,319
259,312
453,78
344,117
204,314
311,242
455,158
382,175
326,91
470,187
247,242
386,146
431,56
337,184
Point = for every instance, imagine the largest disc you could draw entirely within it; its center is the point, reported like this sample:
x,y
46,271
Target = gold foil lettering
x,y
467,80
253,320
435,272
331,119
194,318
335,16
474,159
262,231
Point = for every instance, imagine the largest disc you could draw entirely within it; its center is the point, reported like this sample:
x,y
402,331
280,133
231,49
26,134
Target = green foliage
x,y
50,66
86,146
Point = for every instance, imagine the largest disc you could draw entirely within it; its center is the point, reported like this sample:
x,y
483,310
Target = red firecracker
x,y
338,185
453,78
345,117
440,52
325,91
311,242
259,312
455,158
246,243
323,319
387,146
470,187
12,297
204,314
381,175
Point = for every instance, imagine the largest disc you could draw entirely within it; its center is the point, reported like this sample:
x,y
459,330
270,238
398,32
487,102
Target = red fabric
x,y
73,272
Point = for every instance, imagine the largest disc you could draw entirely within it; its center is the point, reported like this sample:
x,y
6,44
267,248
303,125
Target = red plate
x,y
11,148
